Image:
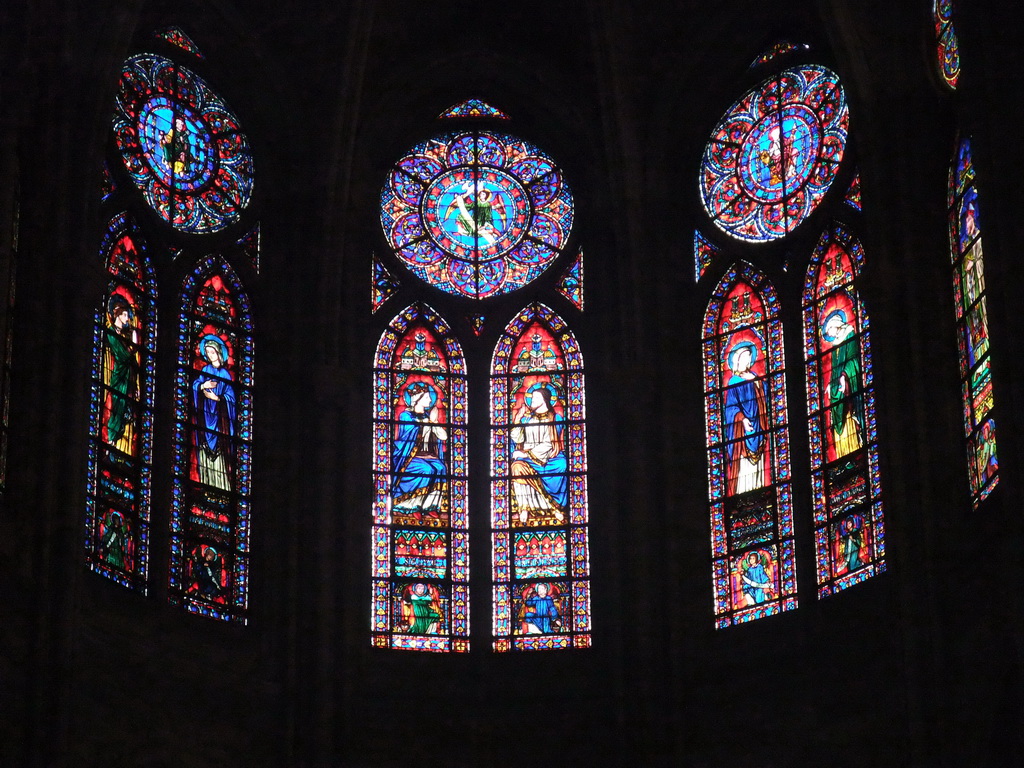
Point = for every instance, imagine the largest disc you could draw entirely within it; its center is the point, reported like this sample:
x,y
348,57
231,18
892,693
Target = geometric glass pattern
x,y
853,193
704,253
750,489
849,528
175,36
420,531
472,108
107,186
476,213
384,285
182,145
540,548
775,153
779,49
213,413
571,283
968,261
119,483
948,47
476,322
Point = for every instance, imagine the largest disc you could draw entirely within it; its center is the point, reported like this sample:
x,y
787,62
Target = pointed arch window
x,y
541,558
119,485
754,560
947,44
420,512
476,213
180,179
968,262
212,486
849,526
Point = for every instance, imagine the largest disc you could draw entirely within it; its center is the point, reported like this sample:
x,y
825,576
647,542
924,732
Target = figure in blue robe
x,y
745,414
214,398
540,614
539,483
853,540
418,456
756,582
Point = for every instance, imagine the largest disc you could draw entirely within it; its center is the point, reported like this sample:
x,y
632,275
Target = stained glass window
x,y
107,186
571,283
775,153
420,535
852,198
119,484
968,261
849,527
383,284
781,48
175,36
476,213
213,412
754,563
948,47
704,252
473,108
249,244
182,145
476,322
539,514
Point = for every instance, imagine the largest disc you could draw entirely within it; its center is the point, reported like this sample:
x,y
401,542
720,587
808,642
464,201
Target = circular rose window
x,y
775,153
181,145
476,213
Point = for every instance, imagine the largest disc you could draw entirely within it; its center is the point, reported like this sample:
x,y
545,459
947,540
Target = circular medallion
x,y
476,214
181,145
476,211
775,153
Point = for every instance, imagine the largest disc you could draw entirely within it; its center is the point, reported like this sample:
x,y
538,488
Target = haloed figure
x,y
418,455
754,574
539,485
113,542
122,373
540,614
214,400
745,416
206,573
846,408
421,609
853,540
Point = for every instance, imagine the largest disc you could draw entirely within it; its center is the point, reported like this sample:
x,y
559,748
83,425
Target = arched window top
x,y
522,348
472,108
947,44
476,213
124,254
775,153
182,145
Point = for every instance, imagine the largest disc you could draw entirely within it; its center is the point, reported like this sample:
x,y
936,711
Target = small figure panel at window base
x,y
119,492
750,492
540,545
420,533
213,409
849,524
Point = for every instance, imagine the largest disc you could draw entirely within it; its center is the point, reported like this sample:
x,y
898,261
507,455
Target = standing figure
x,y
418,456
121,369
746,413
846,404
421,609
853,540
214,400
757,584
113,542
539,614
175,145
539,485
